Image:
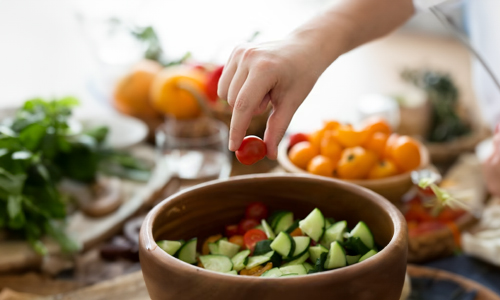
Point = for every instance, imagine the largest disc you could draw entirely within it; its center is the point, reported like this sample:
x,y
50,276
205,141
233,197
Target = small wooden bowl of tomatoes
x,y
224,208
371,156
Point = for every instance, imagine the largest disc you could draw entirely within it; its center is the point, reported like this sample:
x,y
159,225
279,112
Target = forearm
x,y
350,23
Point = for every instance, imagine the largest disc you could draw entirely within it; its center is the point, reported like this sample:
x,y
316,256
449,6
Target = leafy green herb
x,y
442,199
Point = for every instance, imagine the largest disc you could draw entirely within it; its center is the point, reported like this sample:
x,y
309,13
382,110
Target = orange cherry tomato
x,y
406,153
331,125
376,143
377,124
330,147
316,137
252,237
321,165
296,232
302,153
238,240
356,163
389,145
211,239
382,169
349,137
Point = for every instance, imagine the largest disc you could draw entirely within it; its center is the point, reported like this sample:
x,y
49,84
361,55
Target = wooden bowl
x,y
205,209
392,188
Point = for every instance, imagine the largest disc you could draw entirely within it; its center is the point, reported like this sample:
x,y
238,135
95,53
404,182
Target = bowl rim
x,y
148,244
286,164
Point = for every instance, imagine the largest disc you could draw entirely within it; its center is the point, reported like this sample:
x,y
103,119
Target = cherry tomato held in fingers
x,y
252,237
231,230
256,210
247,224
252,150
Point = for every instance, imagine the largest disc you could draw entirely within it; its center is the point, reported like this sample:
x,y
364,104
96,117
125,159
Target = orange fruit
x,y
330,147
302,153
316,137
356,163
377,124
376,143
331,125
349,137
406,153
382,169
171,95
131,95
321,165
389,145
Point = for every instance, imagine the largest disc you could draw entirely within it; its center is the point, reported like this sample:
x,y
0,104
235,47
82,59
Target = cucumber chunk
x,y
232,272
368,255
254,261
283,222
308,266
259,227
291,274
329,222
217,263
268,230
313,225
352,259
283,244
171,247
301,246
273,273
363,232
295,269
240,260
298,261
334,233
355,246
292,227
214,248
262,247
187,253
336,257
315,252
228,249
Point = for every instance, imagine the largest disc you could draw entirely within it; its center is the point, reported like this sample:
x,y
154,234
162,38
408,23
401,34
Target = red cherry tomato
x,y
212,83
252,150
256,210
231,230
252,237
247,224
297,138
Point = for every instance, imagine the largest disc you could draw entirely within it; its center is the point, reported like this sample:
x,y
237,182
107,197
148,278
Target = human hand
x,y
281,73
491,168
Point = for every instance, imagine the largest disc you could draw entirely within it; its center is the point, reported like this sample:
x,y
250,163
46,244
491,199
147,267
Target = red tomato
x,y
256,210
297,138
212,83
426,227
252,150
231,230
252,237
449,215
247,224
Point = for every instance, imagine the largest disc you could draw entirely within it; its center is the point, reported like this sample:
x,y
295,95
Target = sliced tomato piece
x,y
247,224
252,237
256,210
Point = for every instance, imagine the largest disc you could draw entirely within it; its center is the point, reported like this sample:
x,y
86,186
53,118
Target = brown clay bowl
x,y
392,188
204,210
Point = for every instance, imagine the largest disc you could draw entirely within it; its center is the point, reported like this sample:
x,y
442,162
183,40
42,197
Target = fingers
x,y
227,76
276,127
250,96
263,105
235,86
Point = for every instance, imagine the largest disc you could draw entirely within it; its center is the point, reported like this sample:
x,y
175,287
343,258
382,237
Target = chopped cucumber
x,y
228,249
283,244
262,247
355,246
170,247
298,261
334,233
352,259
319,266
259,227
336,257
363,232
232,272
283,222
295,269
290,274
315,252
329,222
268,230
313,225
276,259
214,248
240,260
254,261
273,273
187,253
301,246
308,266
292,227
273,219
217,263
367,255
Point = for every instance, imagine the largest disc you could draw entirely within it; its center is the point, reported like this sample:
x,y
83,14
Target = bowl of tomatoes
x,y
202,243
371,156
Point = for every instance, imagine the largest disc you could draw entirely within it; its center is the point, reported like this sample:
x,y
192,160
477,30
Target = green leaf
x,y
54,229
68,102
3,214
32,135
11,184
38,246
99,133
15,211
